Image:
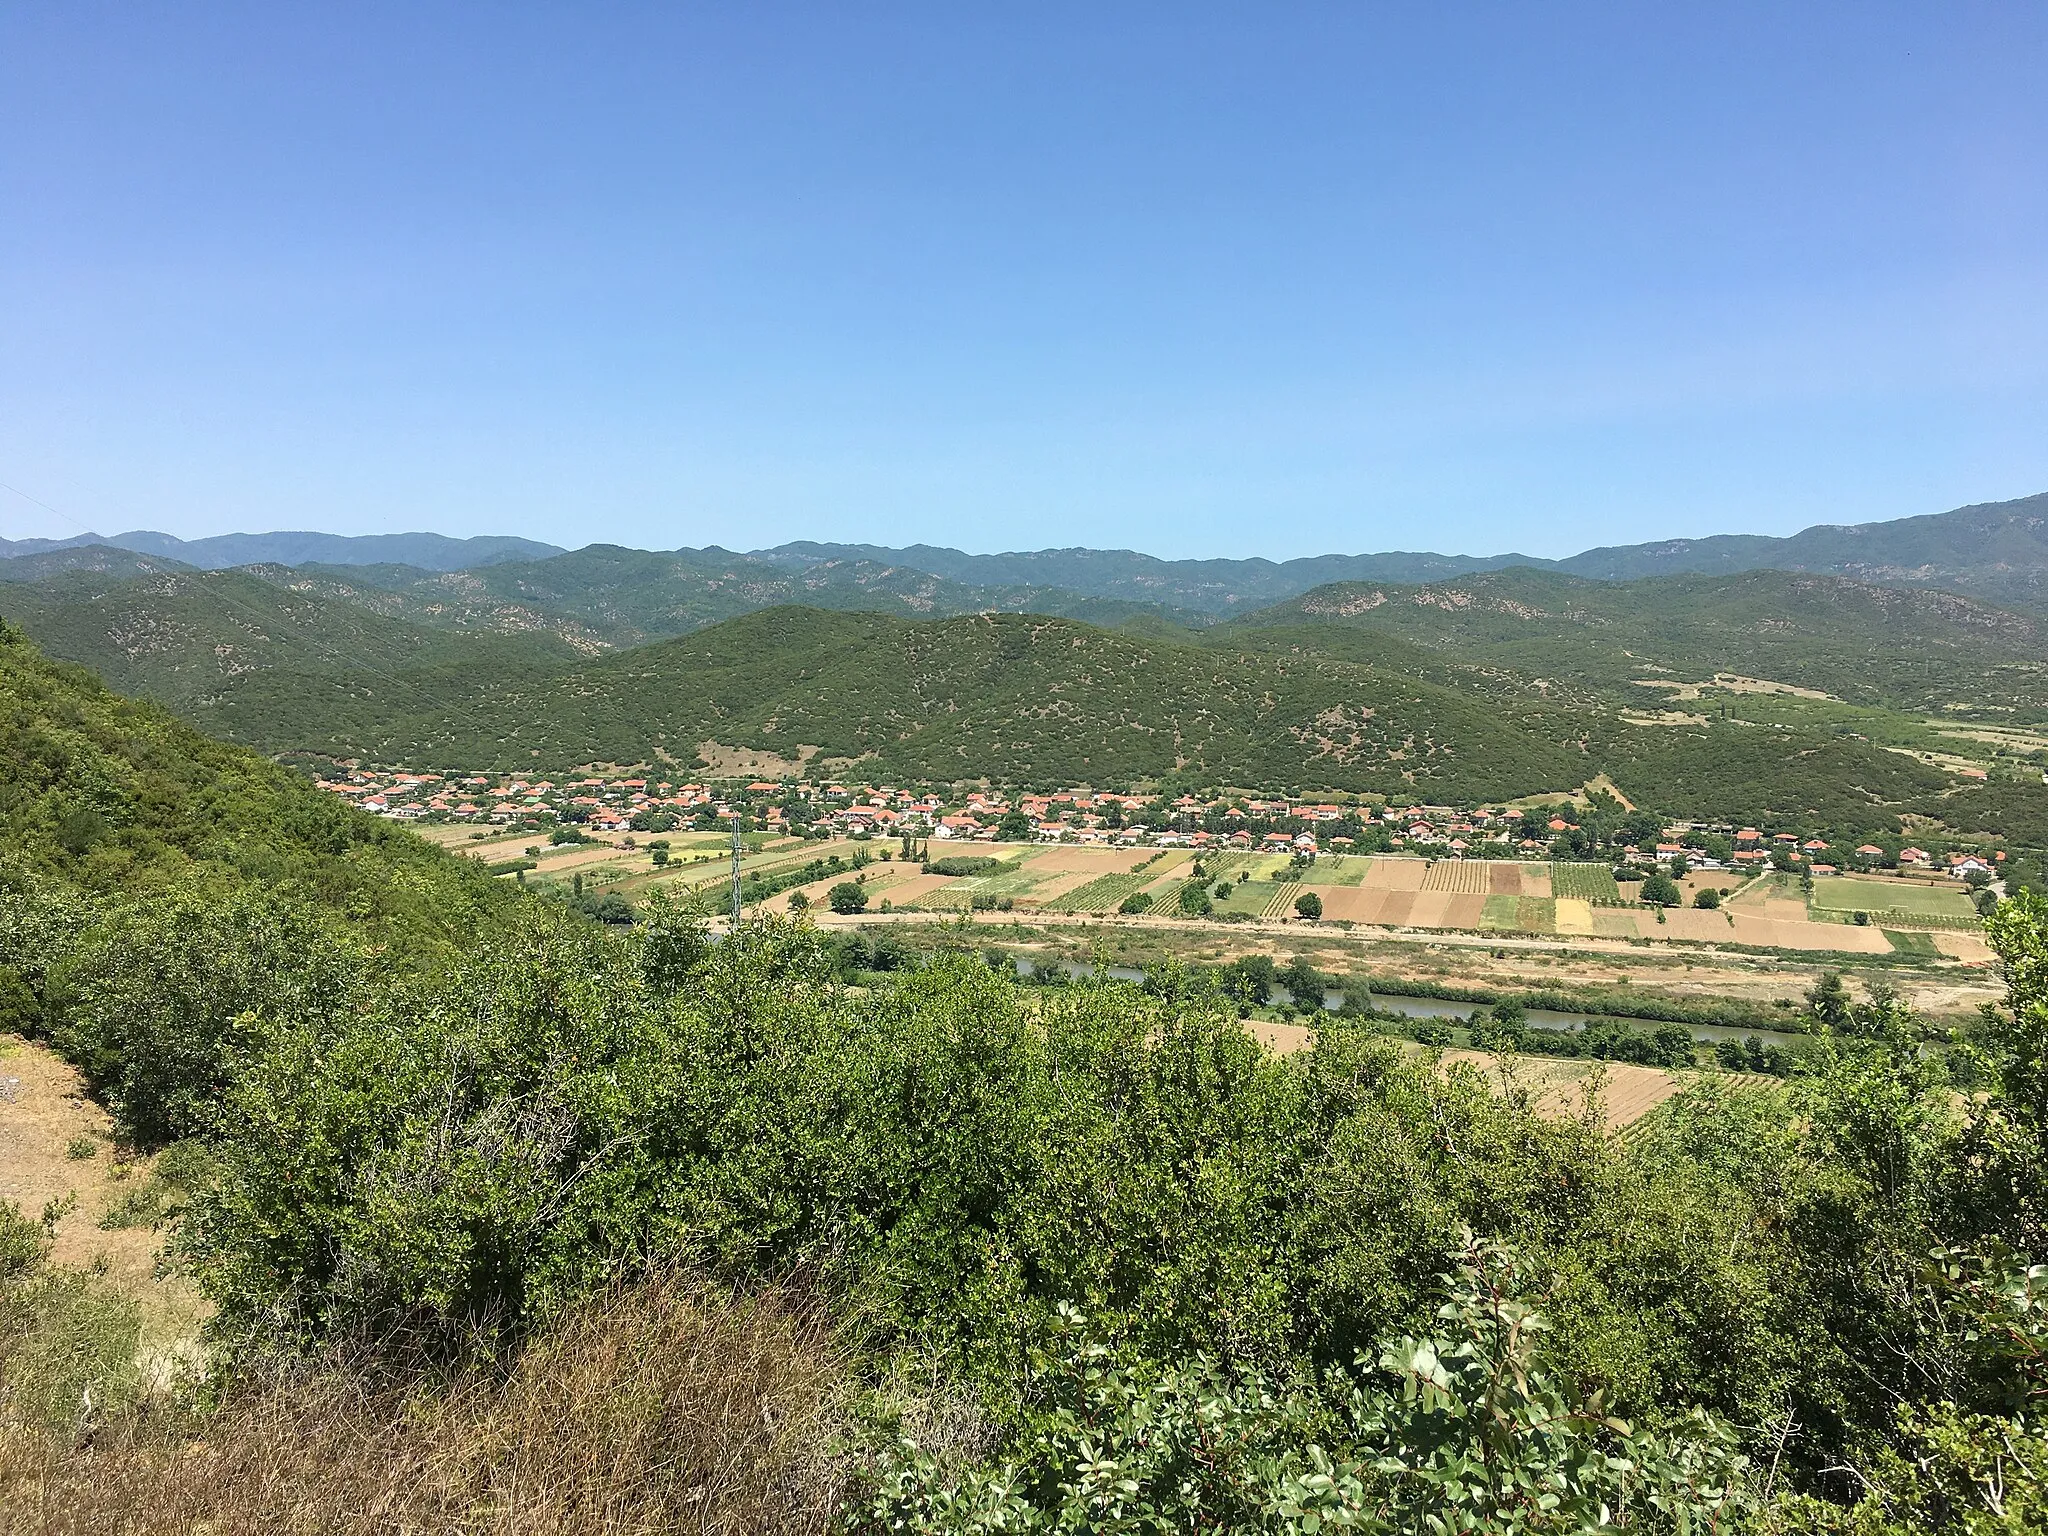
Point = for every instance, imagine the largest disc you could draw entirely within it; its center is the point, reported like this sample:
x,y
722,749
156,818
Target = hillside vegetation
x,y
1494,686
154,882
1036,698
1891,646
515,1222
248,658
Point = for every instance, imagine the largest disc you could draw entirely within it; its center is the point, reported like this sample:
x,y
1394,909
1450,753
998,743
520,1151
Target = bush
x,y
1136,902
1707,899
172,988
1308,906
847,898
1194,898
1470,1430
964,864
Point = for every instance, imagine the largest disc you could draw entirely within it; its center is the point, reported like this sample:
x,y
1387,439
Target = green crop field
x,y
1844,893
1004,882
1536,914
1503,912
1584,882
1918,945
1281,901
1101,894
1341,869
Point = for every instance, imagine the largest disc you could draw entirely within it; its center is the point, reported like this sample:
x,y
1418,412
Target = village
x,y
1084,817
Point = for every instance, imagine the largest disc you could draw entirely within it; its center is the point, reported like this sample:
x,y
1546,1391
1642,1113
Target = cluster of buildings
x,y
1076,816
604,804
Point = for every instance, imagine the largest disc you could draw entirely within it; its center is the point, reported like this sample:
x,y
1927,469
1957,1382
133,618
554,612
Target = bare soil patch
x,y
44,1111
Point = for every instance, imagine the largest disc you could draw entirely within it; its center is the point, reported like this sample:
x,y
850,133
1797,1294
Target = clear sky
x,y
1251,279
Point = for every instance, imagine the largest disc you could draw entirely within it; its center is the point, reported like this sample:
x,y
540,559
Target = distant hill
x,y
1900,647
1997,551
245,658
94,559
604,595
1023,697
430,551
1500,685
1204,586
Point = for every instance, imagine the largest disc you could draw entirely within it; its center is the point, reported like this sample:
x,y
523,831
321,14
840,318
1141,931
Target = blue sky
x,y
1200,280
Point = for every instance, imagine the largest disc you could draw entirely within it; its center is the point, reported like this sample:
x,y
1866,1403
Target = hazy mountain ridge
x,y
605,595
430,551
1215,587
1994,551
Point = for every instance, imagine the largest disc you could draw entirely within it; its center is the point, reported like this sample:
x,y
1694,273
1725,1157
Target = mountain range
x,y
429,551
1995,551
1814,698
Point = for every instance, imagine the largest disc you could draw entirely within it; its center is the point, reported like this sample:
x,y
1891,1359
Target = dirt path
x,y
44,1115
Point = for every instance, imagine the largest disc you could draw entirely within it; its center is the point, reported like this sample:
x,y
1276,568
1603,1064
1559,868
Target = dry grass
x,y
665,1407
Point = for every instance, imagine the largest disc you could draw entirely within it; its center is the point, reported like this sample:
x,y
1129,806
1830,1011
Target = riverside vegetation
x,y
514,1220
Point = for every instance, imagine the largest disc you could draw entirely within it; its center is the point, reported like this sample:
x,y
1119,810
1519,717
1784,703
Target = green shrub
x,y
1469,1429
965,864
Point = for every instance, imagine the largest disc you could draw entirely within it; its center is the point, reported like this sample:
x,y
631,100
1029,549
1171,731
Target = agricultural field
x,y
1460,876
1913,942
1102,894
1478,896
1339,869
1847,893
1584,882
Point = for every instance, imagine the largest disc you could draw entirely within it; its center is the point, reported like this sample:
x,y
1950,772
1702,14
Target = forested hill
x,y
1208,587
250,659
624,597
1997,551
1501,685
1880,645
1023,698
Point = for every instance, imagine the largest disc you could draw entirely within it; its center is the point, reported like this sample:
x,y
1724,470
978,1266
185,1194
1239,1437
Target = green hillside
x,y
1894,647
1022,698
604,596
1500,685
113,797
93,559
